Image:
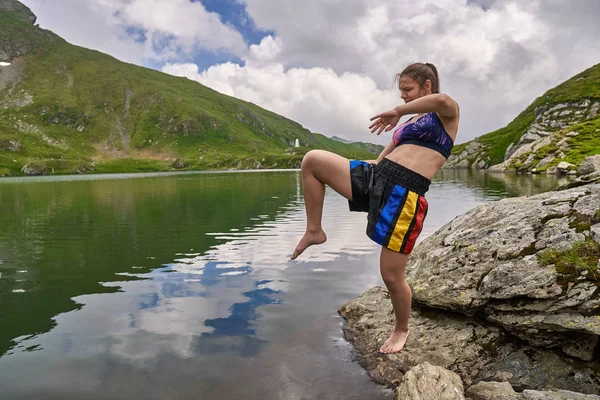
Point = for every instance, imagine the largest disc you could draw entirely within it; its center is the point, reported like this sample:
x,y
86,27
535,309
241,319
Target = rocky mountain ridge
x,y
545,138
67,109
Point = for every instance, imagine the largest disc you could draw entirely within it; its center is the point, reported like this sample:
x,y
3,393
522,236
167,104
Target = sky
x,y
330,64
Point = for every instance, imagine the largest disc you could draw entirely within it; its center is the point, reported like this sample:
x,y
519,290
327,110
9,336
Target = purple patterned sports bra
x,y
427,131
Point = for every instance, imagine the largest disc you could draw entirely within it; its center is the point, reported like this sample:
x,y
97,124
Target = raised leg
x,y
320,168
393,269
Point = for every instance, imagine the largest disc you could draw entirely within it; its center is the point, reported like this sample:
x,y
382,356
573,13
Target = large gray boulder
x,y
589,165
489,262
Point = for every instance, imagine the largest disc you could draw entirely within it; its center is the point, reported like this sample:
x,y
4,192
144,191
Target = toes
x,y
295,254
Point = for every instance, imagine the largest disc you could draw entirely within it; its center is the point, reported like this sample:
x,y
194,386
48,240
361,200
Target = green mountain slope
x,y
571,106
66,109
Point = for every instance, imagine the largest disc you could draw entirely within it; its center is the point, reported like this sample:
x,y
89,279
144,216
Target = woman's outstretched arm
x,y
441,103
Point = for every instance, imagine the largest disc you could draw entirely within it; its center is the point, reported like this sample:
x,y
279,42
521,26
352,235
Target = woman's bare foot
x,y
307,240
395,342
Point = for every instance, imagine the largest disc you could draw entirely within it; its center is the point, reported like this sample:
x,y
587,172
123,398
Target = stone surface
x,y
595,230
493,391
470,347
504,391
178,164
17,8
564,166
486,262
34,169
589,165
545,161
429,382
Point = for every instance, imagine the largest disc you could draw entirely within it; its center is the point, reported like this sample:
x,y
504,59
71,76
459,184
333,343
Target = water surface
x,y
179,286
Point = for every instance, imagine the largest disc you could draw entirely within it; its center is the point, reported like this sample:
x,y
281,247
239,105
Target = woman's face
x,y
411,89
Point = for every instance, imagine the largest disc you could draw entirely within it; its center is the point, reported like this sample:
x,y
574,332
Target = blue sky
x,y
234,13
329,64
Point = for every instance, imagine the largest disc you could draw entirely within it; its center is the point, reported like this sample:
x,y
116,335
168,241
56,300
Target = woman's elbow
x,y
447,105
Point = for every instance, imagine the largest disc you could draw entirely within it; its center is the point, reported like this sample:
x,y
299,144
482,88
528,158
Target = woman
x,y
392,188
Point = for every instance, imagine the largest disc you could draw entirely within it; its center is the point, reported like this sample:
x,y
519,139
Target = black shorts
x,y
394,197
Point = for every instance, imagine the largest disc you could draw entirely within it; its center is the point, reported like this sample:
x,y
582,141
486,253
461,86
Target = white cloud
x,y
164,29
319,98
494,60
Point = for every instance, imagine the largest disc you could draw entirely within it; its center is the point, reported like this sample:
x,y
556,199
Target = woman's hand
x,y
384,121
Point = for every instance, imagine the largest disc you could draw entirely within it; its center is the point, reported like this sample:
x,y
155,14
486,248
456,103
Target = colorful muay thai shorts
x,y
394,197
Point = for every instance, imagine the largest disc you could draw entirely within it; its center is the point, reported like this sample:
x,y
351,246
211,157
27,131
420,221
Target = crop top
x,y
427,131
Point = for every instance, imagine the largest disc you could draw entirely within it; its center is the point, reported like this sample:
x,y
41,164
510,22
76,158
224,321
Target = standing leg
x,y
318,169
393,268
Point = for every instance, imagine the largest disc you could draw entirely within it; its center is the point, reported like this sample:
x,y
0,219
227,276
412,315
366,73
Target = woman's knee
x,y
392,279
312,158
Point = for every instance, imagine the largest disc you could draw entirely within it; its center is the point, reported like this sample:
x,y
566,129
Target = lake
x,y
179,285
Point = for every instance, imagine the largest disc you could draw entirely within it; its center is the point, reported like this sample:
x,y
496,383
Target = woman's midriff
x,y
422,160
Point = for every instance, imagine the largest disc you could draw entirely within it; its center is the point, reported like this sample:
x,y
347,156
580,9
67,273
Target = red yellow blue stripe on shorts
x,y
400,221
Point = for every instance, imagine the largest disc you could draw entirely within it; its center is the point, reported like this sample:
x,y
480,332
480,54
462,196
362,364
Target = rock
x,y
545,161
528,138
493,391
34,169
22,12
572,134
473,147
504,391
552,171
590,164
498,168
13,145
564,167
487,262
469,347
594,110
541,143
509,151
557,235
595,229
178,164
563,144
556,395
428,382
580,181
584,348
462,164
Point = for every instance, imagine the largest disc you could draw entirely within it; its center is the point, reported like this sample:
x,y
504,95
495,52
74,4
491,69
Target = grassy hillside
x,y
585,85
67,109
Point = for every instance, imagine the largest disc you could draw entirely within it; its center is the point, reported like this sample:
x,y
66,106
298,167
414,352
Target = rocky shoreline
x,y
506,304
545,145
